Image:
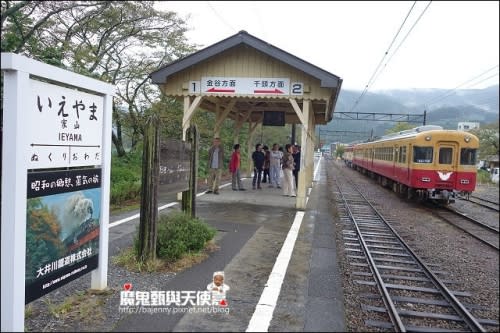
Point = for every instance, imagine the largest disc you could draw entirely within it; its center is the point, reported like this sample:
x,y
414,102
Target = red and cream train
x,y
427,161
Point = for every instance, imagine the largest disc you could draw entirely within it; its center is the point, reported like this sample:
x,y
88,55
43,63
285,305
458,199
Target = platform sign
x,y
242,86
64,127
56,163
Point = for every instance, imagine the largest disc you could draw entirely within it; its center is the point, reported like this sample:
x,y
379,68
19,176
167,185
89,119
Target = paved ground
x,y
252,228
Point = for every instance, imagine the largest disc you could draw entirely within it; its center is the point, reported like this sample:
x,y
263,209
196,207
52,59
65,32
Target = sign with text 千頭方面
x,y
64,127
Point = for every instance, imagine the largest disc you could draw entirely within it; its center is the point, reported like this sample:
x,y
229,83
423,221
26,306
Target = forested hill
x,y
444,107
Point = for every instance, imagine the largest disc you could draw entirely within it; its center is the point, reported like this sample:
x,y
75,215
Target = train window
x,y
468,156
422,154
445,155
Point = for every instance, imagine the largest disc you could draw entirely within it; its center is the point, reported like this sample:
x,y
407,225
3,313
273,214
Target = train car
x,y
427,161
348,155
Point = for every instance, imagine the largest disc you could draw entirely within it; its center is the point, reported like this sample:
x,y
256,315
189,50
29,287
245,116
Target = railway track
x,y
483,232
486,203
404,294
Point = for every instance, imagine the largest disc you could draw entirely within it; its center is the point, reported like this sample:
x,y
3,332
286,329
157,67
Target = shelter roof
x,y
323,109
328,80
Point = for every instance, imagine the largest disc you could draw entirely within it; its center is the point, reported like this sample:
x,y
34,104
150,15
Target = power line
x,y
404,38
220,17
449,92
387,52
371,80
259,18
485,79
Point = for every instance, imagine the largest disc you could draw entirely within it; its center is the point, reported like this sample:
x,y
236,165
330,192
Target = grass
x,y
84,306
125,207
28,311
128,260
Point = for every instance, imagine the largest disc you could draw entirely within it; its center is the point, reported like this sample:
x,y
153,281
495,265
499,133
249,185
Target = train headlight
x,y
467,139
428,138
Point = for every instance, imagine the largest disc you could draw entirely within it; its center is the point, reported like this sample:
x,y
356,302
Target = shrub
x,y
125,177
483,177
179,234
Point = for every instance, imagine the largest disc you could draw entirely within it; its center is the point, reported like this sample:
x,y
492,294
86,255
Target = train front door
x,y
446,162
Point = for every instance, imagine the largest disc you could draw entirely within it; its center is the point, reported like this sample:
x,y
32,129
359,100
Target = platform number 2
x,y
297,88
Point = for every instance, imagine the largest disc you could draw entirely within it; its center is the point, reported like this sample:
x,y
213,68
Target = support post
x,y
149,190
189,196
304,155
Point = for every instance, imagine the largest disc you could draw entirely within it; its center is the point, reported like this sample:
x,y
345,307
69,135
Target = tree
x,y
488,139
26,27
119,42
400,126
340,151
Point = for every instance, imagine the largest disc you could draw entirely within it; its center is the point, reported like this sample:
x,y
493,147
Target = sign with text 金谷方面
x,y
64,127
246,86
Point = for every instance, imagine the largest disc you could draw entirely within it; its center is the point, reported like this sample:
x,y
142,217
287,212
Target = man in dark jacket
x,y
258,158
296,159
267,161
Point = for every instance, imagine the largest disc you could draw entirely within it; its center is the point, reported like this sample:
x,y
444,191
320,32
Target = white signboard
x,y
49,126
242,86
63,127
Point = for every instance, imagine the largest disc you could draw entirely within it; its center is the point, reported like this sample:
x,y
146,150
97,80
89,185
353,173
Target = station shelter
x,y
248,80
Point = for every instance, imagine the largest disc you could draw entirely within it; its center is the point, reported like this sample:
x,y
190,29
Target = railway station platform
x,y
280,264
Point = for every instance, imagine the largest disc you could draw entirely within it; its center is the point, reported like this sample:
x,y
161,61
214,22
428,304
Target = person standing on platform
x,y
275,166
215,164
288,167
266,178
296,159
258,164
234,168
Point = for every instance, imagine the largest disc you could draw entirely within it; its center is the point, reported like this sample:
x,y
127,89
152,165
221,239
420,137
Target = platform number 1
x,y
297,88
194,87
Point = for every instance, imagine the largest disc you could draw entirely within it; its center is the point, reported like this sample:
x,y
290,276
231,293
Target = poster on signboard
x,y
62,233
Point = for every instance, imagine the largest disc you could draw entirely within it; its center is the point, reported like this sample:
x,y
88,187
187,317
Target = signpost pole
x,y
99,276
14,180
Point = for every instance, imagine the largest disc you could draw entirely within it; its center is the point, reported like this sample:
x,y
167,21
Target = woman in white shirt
x,y
275,166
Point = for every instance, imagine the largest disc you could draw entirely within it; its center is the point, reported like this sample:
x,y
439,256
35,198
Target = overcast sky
x,y
446,44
